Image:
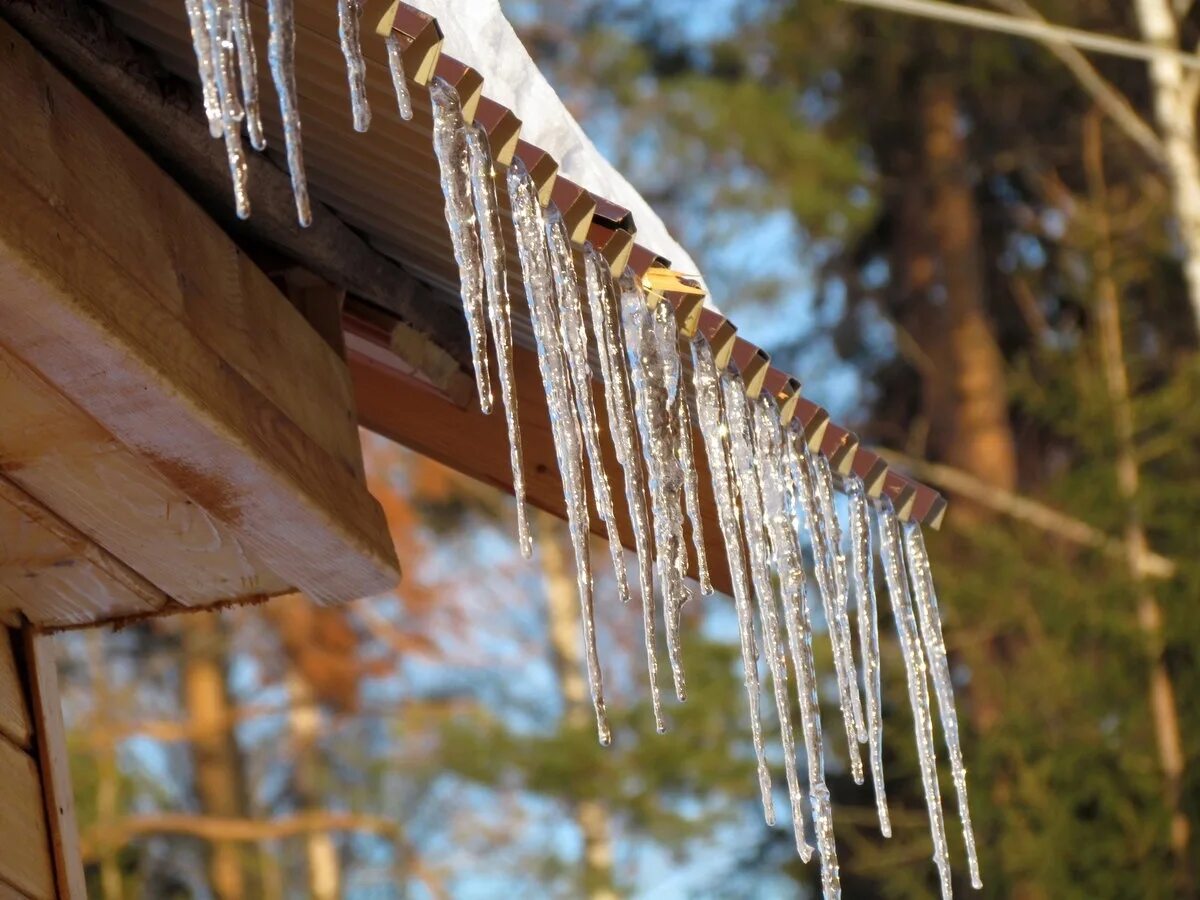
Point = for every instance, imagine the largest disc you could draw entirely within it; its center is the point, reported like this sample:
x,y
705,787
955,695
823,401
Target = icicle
x,y
530,228
281,53
691,488
935,650
652,402
349,14
789,565
247,61
219,21
575,340
399,79
450,146
807,490
710,415
746,466
204,65
483,189
610,339
891,555
868,637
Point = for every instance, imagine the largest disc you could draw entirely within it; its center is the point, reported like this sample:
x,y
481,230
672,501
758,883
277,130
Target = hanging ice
x,y
218,21
281,54
868,637
399,79
204,65
530,228
935,650
710,414
491,239
691,487
575,341
891,555
349,14
747,468
610,339
652,396
450,147
247,64
807,490
789,566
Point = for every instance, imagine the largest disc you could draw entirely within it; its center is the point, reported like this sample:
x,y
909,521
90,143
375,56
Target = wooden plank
x,y
57,791
89,322
25,861
55,576
14,711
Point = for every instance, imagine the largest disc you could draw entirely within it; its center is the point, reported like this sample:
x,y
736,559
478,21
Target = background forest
x,y
978,250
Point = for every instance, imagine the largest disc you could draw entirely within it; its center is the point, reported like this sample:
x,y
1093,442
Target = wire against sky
x,y
1004,23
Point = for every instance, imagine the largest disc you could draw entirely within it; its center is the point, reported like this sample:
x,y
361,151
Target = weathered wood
x,y
55,767
25,861
92,312
14,711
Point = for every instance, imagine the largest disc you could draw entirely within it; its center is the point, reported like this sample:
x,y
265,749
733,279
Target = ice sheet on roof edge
x,y
478,33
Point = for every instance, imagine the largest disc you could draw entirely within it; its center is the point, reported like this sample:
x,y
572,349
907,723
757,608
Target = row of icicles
x,y
772,494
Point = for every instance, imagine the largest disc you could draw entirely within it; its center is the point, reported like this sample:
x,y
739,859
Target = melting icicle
x,y
247,62
807,490
349,15
891,555
204,65
399,79
218,20
691,488
652,396
935,650
606,324
575,340
450,146
710,414
530,228
868,637
789,565
750,476
281,53
483,189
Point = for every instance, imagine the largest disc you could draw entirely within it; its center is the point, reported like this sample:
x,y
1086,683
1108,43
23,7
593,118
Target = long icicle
x,y
349,28
499,308
450,147
789,566
652,399
575,340
891,555
399,79
204,65
281,54
530,228
749,478
219,21
930,620
868,637
691,487
247,63
710,414
610,339
804,474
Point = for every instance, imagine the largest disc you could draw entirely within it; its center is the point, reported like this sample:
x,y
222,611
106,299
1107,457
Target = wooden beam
x,y
25,858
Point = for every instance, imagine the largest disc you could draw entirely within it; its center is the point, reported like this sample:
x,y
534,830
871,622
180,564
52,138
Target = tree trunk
x,y
563,608
324,869
1174,108
107,771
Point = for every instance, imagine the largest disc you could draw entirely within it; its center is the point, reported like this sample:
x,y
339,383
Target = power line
x,y
1003,23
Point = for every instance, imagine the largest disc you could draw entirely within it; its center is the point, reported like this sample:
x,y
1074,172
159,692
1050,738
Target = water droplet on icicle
x,y
281,54
530,228
868,636
710,414
202,46
610,340
349,15
891,555
450,147
499,308
218,20
652,393
399,79
747,468
935,651
247,64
